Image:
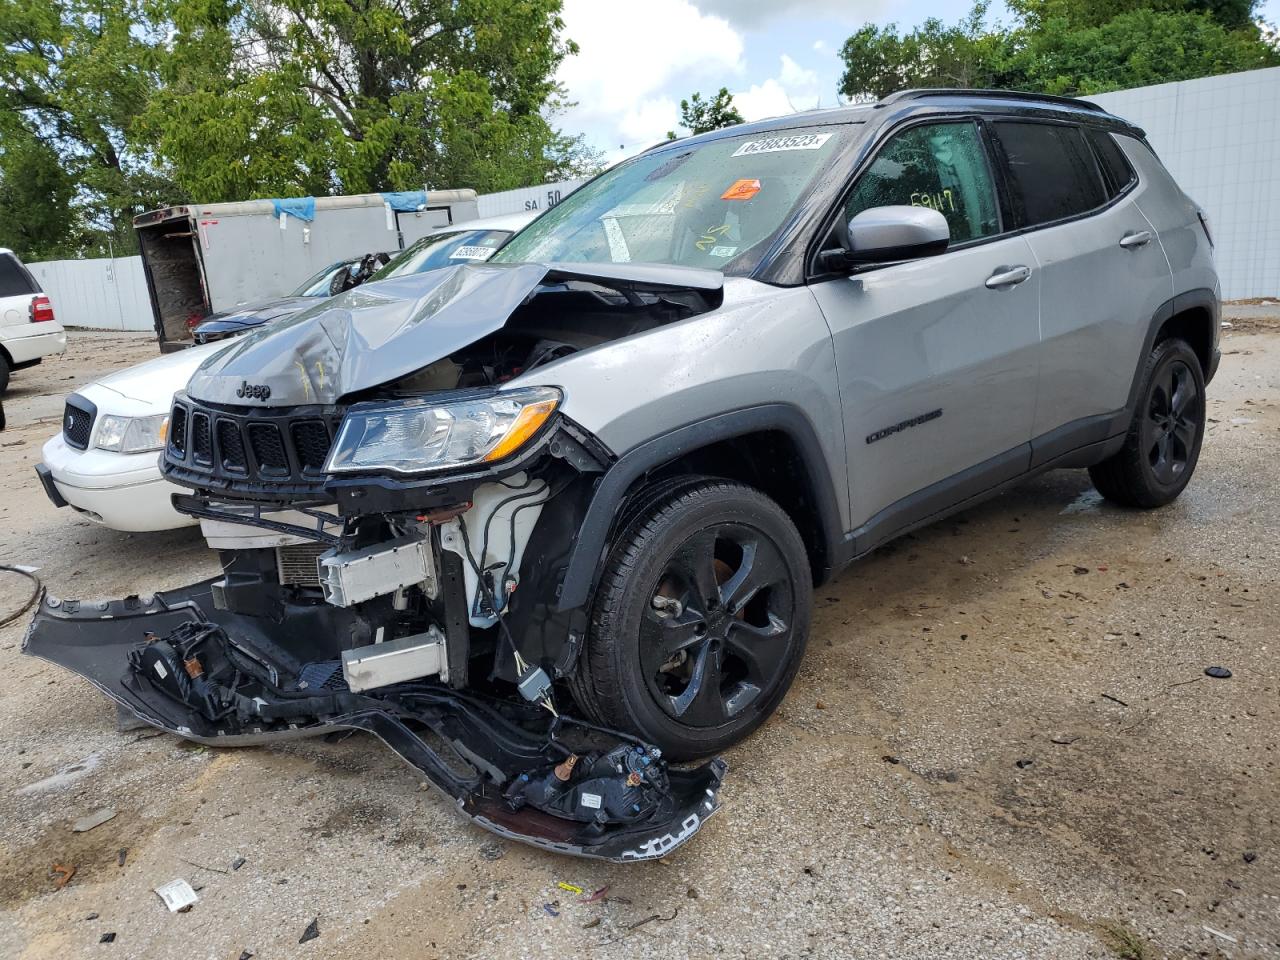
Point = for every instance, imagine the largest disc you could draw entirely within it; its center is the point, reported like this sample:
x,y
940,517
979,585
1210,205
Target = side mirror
x,y
884,234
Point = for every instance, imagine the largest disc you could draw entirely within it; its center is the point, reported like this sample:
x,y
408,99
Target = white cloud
x,y
819,46
794,88
753,13
630,52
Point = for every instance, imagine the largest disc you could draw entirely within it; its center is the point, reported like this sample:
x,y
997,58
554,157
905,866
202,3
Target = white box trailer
x,y
202,258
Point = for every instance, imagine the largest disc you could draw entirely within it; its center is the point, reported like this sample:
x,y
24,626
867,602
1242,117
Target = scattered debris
x,y
246,954
570,887
1107,696
592,923
92,916
1080,571
1063,741
1023,764
107,938
63,874
201,866
655,916
1218,933
550,910
95,819
1250,856
312,931
598,895
492,851
1218,673
238,862
820,705
177,895
890,758
121,856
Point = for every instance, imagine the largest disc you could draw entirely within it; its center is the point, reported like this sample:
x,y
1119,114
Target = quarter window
x,y
1116,172
1051,171
937,165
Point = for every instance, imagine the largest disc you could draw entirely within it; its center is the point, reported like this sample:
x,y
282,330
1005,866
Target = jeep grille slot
x,y
201,438
268,448
311,442
231,453
178,431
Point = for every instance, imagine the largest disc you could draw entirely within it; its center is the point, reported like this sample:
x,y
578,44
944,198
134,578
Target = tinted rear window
x,y
1116,172
1052,171
14,279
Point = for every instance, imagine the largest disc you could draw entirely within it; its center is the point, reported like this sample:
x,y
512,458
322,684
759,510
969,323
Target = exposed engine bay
x,y
420,605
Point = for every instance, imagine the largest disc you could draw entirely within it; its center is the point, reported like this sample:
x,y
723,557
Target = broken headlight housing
x,y
132,434
422,435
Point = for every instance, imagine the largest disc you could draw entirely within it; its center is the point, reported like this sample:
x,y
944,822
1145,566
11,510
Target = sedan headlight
x,y
132,434
415,436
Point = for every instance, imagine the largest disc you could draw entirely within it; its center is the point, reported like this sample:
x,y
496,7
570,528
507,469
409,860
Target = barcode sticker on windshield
x,y
472,253
802,141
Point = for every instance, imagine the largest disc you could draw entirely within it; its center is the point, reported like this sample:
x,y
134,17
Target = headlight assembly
x,y
132,434
418,436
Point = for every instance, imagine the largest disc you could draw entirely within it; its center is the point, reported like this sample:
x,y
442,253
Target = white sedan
x,y
105,463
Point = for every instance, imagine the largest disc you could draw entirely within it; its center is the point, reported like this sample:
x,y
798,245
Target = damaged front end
x,y
393,535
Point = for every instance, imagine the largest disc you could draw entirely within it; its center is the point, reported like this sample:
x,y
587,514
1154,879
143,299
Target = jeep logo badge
x,y
253,391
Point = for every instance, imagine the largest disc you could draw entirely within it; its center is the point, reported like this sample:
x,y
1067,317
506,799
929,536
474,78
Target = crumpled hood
x,y
379,332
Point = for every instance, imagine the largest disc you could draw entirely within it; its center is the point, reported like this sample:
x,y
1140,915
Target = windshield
x,y
443,250
710,205
319,285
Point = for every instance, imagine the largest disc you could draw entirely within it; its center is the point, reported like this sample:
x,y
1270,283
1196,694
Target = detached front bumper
x,y
502,762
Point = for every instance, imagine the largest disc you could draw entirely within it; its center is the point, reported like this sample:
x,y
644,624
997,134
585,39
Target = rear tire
x,y
1162,446
4,374
700,620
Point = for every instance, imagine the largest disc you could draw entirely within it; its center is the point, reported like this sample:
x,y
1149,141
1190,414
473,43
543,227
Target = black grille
x,y
201,441
77,421
225,447
231,447
311,441
268,448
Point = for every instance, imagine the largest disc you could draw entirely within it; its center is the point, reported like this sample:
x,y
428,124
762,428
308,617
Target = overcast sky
x,y
639,58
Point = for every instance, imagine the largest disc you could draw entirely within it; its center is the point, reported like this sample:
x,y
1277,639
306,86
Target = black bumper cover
x,y
485,749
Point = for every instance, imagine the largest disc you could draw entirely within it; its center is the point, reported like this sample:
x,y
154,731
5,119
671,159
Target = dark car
x,y
329,282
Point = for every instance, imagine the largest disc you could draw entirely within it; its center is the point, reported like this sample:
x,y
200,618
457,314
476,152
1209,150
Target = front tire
x,y
4,374
700,620
1162,446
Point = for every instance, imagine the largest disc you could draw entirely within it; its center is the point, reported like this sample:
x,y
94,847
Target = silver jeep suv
x,y
546,522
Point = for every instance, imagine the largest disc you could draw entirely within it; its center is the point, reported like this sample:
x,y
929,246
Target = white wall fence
x,y
106,294
1220,138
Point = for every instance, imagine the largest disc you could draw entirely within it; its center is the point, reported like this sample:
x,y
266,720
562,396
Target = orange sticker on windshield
x,y
741,190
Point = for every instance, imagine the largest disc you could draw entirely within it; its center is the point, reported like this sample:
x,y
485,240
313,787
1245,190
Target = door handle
x,y
1131,241
1008,277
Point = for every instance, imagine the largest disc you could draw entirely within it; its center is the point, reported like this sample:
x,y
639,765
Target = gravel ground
x,y
1002,744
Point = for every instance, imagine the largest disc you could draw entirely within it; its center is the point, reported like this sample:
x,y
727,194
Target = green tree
x,y
75,77
1062,46
317,96
36,217
700,116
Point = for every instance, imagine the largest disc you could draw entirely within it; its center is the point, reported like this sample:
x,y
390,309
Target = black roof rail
x,y
923,92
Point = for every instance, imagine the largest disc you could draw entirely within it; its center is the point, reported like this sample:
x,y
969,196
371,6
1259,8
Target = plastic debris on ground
x,y
571,888
91,820
1218,673
177,895
62,874
312,931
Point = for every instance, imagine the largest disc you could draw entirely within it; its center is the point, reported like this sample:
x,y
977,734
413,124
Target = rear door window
x,y
1052,172
938,165
14,279
1116,172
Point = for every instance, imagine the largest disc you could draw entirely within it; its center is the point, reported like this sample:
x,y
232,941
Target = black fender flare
x,y
1198,298
589,548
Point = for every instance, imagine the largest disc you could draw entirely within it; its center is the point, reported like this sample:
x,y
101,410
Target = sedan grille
x,y
77,421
